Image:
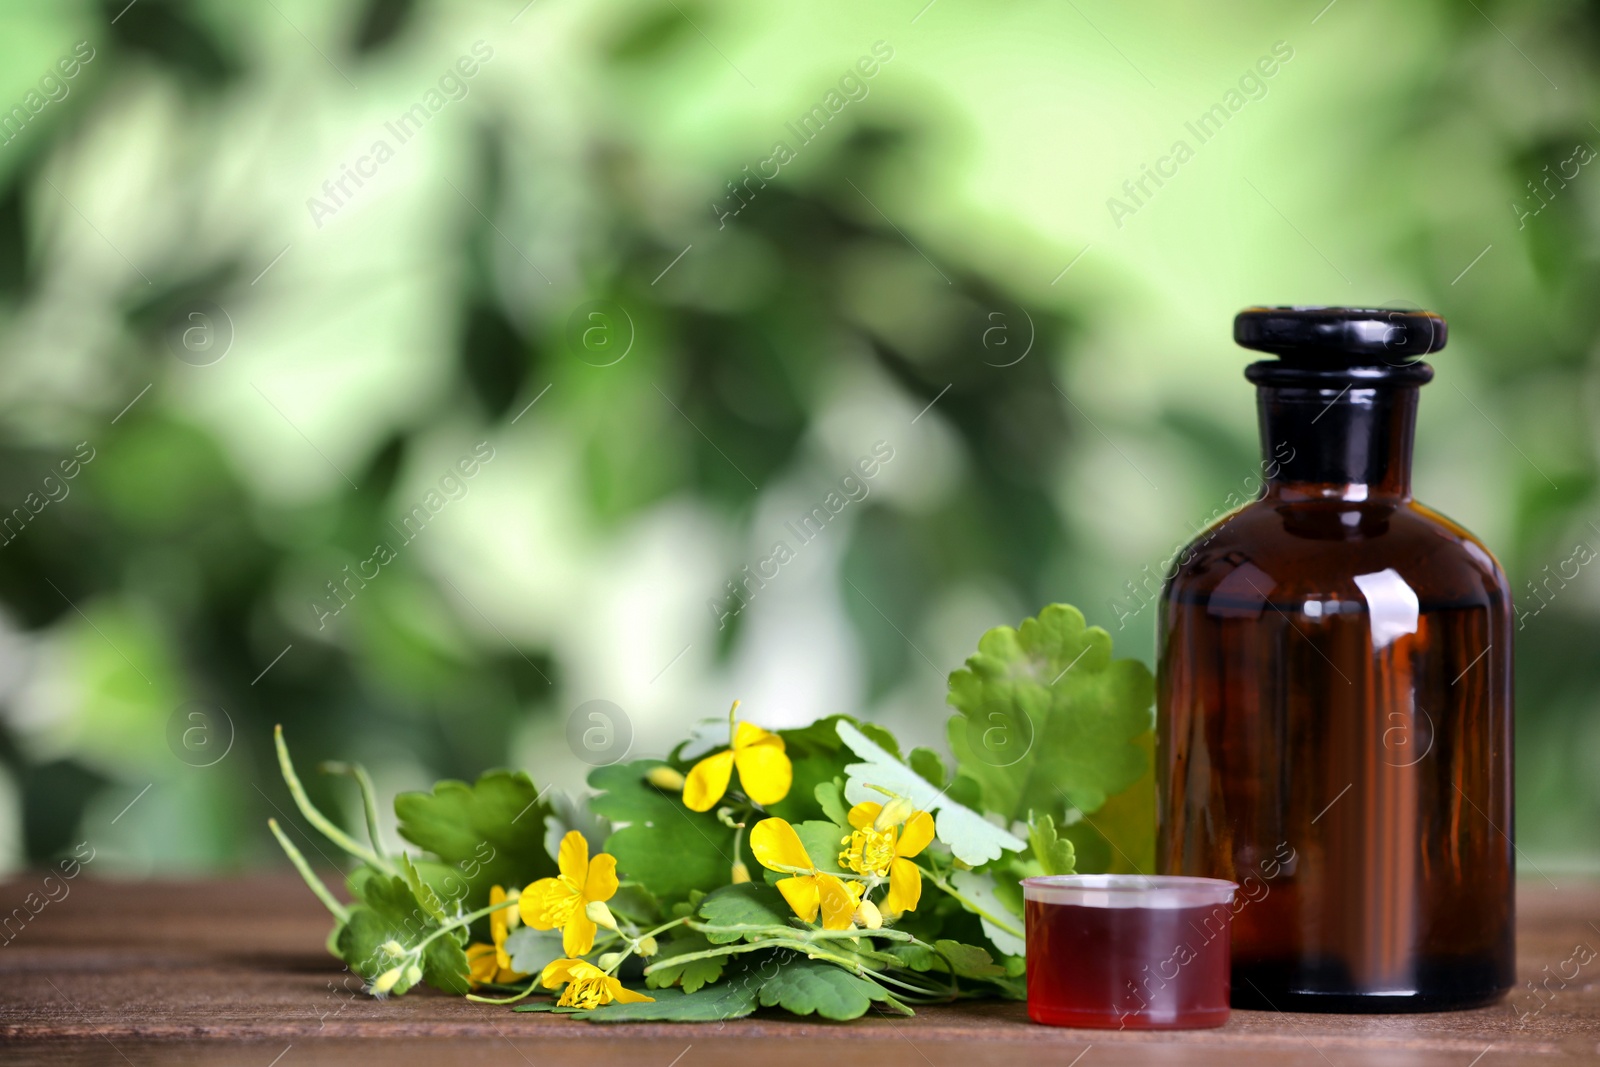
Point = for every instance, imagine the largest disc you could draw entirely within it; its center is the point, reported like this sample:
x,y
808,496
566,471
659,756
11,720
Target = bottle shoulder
x,y
1292,551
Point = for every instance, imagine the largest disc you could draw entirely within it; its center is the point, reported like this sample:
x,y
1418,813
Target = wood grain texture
x,y
234,972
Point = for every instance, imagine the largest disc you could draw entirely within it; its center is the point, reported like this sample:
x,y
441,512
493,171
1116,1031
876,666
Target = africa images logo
x,y
453,85
1252,85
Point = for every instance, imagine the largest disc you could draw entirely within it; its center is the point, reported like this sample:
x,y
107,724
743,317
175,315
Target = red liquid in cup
x,y
1109,963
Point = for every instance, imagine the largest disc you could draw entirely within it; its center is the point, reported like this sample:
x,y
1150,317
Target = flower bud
x,y
599,914
387,980
741,873
393,949
665,777
413,974
868,915
647,946
608,960
894,813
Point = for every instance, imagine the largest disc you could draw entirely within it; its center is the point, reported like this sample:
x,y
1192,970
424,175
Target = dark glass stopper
x,y
1334,336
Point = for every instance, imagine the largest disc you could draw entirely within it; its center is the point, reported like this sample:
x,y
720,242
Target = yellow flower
x,y
764,769
552,902
587,985
778,848
492,963
501,923
879,847
481,966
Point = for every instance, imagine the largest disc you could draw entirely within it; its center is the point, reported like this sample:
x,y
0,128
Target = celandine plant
x,y
885,879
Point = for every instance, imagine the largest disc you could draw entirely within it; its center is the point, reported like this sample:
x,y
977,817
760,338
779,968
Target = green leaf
x,y
532,949
391,897
830,796
491,830
360,944
1055,854
390,912
424,894
636,902
1008,876
670,849
880,737
705,737
969,961
732,998
814,987
692,975
823,841
817,756
746,904
1000,925
926,762
914,956
1127,822
1091,853
445,967
712,1003
567,814
1047,718
972,838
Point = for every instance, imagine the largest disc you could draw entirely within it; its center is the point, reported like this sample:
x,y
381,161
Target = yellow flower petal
x,y
777,846
803,895
746,734
547,903
577,937
862,814
558,972
905,887
602,883
573,857
481,964
764,770
916,835
838,903
707,781
623,995
500,925
587,985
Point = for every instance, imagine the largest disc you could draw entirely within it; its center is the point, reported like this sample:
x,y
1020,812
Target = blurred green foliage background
x,y
271,373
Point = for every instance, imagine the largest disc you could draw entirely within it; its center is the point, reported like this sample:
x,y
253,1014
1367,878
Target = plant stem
x,y
1005,924
818,935
804,948
369,797
507,1000
662,928
328,900
464,920
315,817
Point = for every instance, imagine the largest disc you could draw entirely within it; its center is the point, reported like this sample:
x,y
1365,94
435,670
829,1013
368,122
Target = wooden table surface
x,y
234,972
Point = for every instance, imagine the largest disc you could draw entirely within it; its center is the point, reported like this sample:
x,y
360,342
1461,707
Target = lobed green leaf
x,y
1047,718
492,831
814,987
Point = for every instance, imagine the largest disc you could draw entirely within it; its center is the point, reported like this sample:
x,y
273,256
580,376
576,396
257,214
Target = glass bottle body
x,y
1334,719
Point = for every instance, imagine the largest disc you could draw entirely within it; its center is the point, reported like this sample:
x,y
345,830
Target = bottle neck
x,y
1337,434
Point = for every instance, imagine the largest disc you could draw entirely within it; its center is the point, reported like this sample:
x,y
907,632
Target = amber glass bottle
x,y
1334,709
